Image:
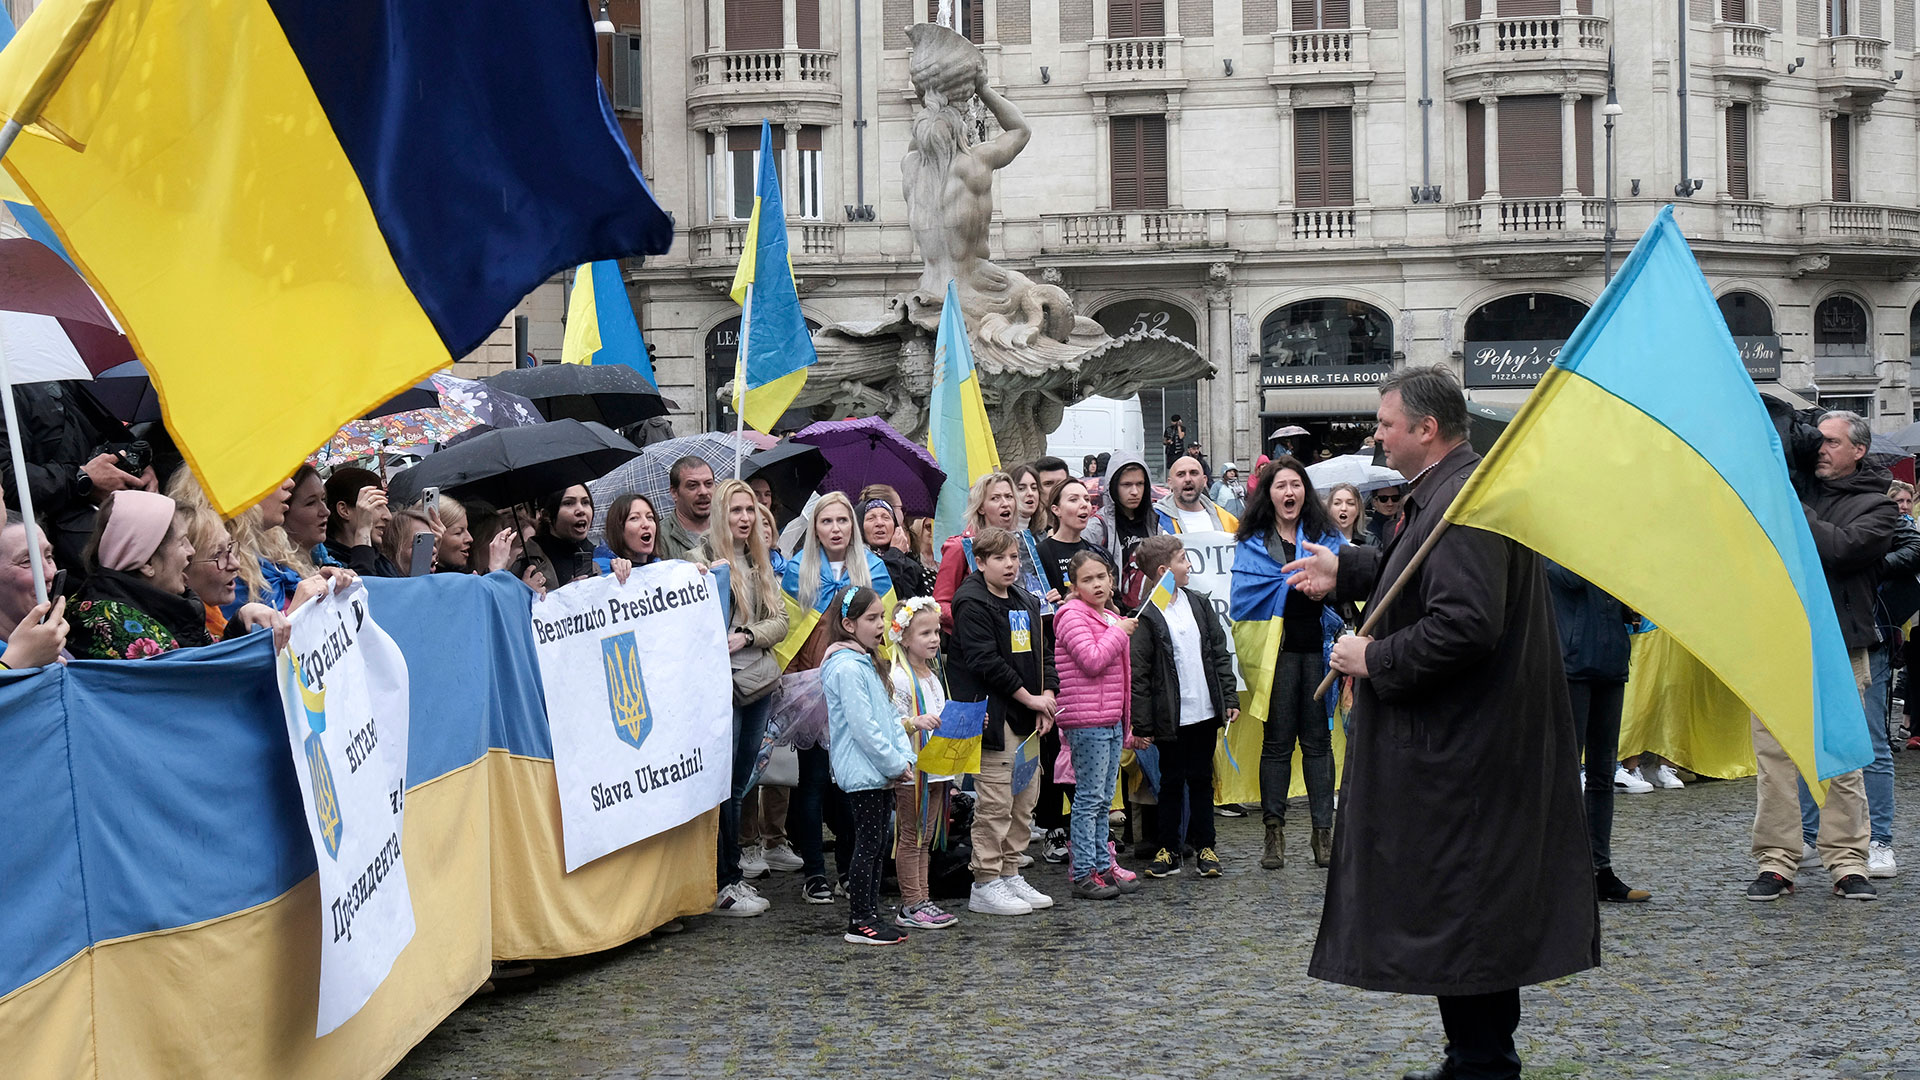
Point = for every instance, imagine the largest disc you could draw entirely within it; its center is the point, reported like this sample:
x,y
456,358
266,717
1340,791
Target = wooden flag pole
x,y
1392,594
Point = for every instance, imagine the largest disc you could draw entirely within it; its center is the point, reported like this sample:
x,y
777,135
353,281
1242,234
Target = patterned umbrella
x,y
647,474
869,451
494,408
396,431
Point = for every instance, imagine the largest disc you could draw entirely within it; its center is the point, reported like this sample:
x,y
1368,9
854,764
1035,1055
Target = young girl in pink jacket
x,y
1093,655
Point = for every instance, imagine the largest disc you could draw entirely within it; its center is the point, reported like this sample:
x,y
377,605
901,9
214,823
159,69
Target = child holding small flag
x,y
1095,682
921,808
1183,691
868,748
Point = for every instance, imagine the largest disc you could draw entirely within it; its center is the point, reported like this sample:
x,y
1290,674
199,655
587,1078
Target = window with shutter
x,y
1843,158
1737,186
1136,18
1138,147
753,25
1525,9
1323,157
624,87
806,24
1583,143
1838,25
969,14
1322,14
1471,11
1530,146
1733,11
1476,150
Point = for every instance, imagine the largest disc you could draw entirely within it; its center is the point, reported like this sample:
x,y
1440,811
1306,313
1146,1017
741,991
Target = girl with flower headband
x,y
922,807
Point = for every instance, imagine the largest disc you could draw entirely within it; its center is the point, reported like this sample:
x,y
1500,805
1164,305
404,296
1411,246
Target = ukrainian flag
x,y
601,328
1649,423
1163,593
957,428
953,748
29,219
804,614
775,348
299,208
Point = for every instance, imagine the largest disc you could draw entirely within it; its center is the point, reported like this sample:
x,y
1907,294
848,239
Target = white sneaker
x,y
781,857
1880,861
1663,777
740,901
993,898
1629,782
1026,860
1018,886
1809,856
752,862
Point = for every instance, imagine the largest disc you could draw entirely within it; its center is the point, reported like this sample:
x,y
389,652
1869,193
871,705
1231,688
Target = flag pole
x,y
740,383
1393,593
79,33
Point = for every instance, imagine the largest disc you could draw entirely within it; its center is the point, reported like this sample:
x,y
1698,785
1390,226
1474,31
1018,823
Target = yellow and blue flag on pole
x,y
1648,421
601,328
957,428
298,208
1163,593
1026,762
953,748
29,219
775,348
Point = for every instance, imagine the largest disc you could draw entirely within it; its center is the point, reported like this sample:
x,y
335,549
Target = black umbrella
x,y
611,394
1485,423
515,465
794,469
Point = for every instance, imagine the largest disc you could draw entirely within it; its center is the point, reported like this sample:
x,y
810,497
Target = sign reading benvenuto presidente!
x,y
344,686
639,702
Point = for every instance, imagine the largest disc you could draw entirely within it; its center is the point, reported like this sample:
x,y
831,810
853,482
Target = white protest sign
x,y
344,686
639,703
1211,556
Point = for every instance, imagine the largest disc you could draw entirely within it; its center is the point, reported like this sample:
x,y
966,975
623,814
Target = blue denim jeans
x,y
1096,767
1878,775
749,729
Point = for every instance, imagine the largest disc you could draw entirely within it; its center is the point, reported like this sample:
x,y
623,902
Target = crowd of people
x,y
1064,605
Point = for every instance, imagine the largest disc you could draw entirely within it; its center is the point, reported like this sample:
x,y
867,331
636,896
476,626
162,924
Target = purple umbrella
x,y
868,451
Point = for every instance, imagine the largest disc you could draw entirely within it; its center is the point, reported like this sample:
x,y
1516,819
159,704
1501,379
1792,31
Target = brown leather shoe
x,y
1275,855
1323,848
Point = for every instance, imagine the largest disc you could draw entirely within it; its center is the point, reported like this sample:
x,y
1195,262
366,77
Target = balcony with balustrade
x,y
1743,51
1837,225
806,78
1133,232
1320,56
807,241
1135,63
1519,218
1853,66
1526,44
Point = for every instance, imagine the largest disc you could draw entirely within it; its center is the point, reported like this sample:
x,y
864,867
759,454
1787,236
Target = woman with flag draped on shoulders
x,y
832,558
1283,638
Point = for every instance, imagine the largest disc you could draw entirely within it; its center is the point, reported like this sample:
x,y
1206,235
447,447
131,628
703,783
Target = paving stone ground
x,y
1198,978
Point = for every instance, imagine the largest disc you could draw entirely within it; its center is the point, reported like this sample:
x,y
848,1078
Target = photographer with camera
x,y
77,454
1852,521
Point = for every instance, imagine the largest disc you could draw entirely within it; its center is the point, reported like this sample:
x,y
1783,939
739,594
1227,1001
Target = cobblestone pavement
x,y
1201,978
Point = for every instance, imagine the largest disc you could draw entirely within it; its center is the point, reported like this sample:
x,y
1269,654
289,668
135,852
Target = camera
x,y
1799,431
132,458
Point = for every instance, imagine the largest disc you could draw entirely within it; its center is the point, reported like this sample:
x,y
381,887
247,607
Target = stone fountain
x,y
1035,355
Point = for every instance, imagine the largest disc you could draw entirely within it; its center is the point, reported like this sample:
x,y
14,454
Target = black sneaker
x,y
1056,848
817,891
1163,865
874,933
1615,891
1209,863
1855,887
1771,886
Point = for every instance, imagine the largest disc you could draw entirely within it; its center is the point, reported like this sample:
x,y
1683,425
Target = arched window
x,y
1160,402
1840,339
1512,340
723,351
1325,342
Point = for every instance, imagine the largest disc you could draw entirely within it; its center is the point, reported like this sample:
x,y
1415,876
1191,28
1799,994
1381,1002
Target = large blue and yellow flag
x,y
601,328
1649,423
775,348
299,208
957,428
30,220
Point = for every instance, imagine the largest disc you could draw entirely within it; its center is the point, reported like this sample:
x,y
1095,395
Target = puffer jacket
x,y
866,743
1095,665
1852,521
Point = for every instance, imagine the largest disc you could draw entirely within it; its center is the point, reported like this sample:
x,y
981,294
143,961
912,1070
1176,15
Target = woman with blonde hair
x,y
270,566
992,501
738,538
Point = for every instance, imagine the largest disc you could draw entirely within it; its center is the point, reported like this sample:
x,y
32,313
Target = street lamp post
x,y
1611,110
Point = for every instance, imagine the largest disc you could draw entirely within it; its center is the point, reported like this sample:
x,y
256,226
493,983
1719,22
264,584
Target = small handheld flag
x,y
1164,591
953,748
775,348
1026,762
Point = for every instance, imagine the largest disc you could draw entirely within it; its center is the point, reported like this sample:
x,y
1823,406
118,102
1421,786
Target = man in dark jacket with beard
x,y
1439,884
1852,521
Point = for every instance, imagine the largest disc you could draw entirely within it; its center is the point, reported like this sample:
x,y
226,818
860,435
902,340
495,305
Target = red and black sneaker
x,y
1769,886
874,933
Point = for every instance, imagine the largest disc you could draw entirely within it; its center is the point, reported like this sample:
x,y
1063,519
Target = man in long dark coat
x,y
1460,866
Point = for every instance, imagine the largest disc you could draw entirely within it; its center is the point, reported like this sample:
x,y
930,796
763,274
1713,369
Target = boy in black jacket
x,y
1183,692
998,655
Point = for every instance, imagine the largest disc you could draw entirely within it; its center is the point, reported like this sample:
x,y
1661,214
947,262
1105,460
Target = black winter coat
x,y
982,664
1852,520
1900,578
61,425
1156,684
1442,882
1593,627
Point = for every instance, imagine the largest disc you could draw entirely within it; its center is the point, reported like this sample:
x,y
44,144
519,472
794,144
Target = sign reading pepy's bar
x,y
1508,363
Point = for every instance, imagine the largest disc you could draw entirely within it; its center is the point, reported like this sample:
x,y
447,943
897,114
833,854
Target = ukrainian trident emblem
x,y
626,690
326,798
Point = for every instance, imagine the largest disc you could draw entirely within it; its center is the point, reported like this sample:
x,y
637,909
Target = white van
x,y
1098,426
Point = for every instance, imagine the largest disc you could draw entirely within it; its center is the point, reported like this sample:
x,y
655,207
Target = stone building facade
x,y
1311,191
